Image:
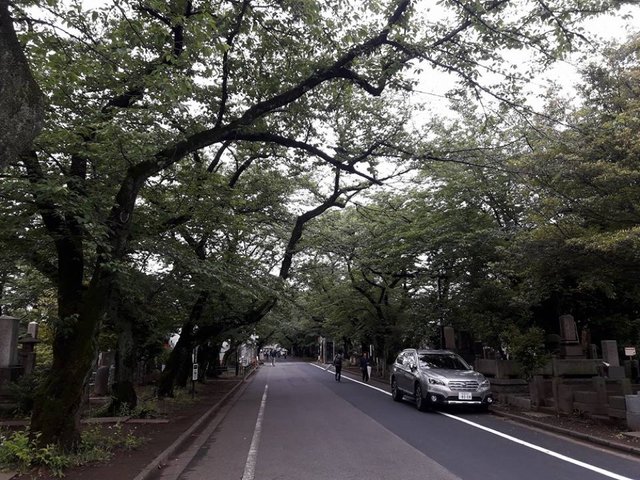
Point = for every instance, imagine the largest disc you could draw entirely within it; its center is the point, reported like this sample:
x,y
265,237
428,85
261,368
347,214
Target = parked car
x,y
438,377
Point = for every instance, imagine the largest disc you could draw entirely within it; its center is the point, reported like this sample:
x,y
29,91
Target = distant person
x,y
337,362
365,366
272,354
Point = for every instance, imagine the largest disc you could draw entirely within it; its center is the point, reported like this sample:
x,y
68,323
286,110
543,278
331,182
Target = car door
x,y
406,380
401,371
411,362
398,370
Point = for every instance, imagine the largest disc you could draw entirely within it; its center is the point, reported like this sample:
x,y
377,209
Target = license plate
x,y
464,396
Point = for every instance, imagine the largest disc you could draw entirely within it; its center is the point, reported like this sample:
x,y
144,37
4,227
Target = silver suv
x,y
438,377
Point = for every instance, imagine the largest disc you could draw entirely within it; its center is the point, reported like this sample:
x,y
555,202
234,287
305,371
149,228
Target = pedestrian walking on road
x,y
272,354
365,366
337,362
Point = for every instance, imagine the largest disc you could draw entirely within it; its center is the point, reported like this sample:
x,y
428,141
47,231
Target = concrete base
x,y
571,351
591,408
633,403
617,413
519,402
633,421
633,411
616,373
618,402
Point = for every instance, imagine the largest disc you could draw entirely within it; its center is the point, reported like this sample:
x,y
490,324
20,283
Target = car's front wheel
x,y
421,402
396,394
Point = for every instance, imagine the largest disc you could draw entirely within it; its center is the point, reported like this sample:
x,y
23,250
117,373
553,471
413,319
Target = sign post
x,y
194,375
633,364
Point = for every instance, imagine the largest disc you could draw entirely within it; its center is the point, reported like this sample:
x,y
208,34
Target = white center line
x,y
252,457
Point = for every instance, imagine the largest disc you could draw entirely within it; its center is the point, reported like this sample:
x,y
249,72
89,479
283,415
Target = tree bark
x,y
56,414
21,101
123,393
180,356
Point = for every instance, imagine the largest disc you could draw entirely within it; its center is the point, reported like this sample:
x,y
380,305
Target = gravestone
x,y
449,338
8,341
610,352
8,350
568,329
570,346
106,359
101,386
32,329
610,355
104,374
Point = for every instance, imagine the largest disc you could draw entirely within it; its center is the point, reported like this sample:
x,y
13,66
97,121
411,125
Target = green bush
x,y
51,457
16,449
23,393
19,450
527,348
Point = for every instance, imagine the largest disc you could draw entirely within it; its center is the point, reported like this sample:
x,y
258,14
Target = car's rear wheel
x,y
421,402
396,394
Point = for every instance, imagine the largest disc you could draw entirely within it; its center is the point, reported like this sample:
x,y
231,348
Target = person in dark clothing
x,y
364,366
337,363
272,354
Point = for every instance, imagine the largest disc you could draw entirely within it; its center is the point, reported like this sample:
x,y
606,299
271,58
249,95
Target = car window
x,y
400,359
409,358
443,360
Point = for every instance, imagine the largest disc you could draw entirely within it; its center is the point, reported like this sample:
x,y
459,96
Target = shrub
x,y
19,450
527,348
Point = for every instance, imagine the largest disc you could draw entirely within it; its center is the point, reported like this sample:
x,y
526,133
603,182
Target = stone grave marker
x,y
570,346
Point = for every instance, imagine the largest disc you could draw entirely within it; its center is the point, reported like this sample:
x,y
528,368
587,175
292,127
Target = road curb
x,y
162,458
570,433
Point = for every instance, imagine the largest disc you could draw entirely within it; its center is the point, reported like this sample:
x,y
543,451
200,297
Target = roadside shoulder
x,y
591,431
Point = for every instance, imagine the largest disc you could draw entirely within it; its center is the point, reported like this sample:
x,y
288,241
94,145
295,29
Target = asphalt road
x,y
295,422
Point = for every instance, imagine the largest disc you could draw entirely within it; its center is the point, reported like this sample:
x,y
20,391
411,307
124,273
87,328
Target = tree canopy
x,y
188,148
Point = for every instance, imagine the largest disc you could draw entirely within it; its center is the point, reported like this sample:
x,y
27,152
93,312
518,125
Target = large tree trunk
x,y
123,391
179,357
178,366
21,101
57,408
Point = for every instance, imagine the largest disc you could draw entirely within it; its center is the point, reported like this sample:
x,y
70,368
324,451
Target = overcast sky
x,y
615,27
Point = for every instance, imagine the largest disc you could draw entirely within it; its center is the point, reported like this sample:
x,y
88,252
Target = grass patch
x,y
19,450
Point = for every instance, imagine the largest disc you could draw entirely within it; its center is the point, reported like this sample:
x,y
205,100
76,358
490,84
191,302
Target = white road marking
x,y
352,379
252,457
546,451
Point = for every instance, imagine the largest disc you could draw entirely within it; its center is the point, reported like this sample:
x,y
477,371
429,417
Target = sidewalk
x,y
163,437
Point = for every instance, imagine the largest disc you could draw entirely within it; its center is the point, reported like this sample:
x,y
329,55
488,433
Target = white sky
x,y
606,27
434,85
